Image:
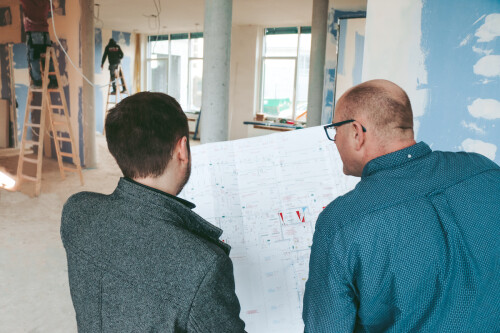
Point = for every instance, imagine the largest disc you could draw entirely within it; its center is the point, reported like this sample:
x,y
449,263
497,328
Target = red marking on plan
x,y
301,219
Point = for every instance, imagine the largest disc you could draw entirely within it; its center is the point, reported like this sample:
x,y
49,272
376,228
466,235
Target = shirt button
x,y
409,155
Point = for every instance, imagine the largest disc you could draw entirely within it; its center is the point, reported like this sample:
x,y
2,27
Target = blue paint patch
x,y
329,98
21,94
80,125
99,109
331,75
340,14
452,84
98,50
358,60
20,56
122,38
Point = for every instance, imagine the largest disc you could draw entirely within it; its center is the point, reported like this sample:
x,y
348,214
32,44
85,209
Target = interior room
x,y
271,68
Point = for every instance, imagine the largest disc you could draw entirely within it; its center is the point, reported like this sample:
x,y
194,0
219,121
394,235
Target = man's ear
x,y
182,150
359,135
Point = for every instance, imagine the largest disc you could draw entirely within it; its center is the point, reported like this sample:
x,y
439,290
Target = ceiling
x,y
187,15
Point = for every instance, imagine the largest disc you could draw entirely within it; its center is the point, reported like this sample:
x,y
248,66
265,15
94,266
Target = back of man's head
x,y
384,104
142,132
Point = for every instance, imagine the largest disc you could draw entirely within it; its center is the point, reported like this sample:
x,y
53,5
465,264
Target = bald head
x,y
384,105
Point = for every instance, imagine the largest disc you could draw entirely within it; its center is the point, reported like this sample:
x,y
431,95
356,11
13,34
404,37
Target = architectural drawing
x,y
266,194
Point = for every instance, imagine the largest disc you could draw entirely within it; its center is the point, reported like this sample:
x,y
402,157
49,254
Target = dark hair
x,y
142,131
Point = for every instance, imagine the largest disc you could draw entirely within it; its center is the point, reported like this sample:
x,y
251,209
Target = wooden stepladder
x,y
59,123
121,90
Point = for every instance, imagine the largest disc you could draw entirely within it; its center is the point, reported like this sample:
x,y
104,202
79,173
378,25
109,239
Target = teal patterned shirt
x,y
415,247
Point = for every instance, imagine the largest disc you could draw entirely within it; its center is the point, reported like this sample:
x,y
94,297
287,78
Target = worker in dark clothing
x,y
114,54
36,13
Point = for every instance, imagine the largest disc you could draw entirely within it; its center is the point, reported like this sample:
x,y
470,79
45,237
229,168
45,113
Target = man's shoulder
x,y
84,199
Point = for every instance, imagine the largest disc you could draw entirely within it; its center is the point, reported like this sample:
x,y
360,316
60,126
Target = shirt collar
x,y
186,203
396,158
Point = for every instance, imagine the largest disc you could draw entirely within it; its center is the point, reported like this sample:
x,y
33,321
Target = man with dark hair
x,y
415,246
35,14
139,259
114,54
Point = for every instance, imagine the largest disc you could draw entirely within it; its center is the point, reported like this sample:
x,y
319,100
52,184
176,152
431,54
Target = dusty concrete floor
x,y
34,291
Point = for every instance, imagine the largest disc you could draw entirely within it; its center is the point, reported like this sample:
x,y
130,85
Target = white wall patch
x,y
485,108
488,66
477,146
490,29
473,127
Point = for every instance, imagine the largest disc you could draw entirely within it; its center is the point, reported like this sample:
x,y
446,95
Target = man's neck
x,y
161,183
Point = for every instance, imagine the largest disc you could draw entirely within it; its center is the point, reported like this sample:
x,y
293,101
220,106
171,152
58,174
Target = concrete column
x,y
88,101
317,62
214,125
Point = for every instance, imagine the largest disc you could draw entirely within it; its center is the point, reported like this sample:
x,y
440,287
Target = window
x,y
175,67
285,72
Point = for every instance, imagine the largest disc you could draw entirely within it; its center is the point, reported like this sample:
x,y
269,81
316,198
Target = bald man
x,y
415,247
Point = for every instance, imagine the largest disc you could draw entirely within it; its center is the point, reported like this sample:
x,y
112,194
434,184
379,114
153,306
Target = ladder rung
x,y
53,90
60,138
52,73
59,123
66,154
30,160
32,125
35,107
56,106
36,89
31,142
33,179
71,169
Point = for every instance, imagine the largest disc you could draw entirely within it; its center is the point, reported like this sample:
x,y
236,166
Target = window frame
x,y
307,30
190,58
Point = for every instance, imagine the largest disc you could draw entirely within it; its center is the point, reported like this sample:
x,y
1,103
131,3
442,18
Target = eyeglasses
x,y
331,130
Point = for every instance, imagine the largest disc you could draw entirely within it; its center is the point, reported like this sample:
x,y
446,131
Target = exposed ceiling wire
x,y
157,4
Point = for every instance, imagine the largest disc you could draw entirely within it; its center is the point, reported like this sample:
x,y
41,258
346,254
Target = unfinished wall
x,y
67,19
126,41
446,55
337,9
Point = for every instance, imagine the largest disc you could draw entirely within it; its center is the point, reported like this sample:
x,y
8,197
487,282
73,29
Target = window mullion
x,y
295,76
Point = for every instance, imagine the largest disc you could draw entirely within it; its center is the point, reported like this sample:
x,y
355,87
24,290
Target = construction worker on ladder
x,y
36,13
114,54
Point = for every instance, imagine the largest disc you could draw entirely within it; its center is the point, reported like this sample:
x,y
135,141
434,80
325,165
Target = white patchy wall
x,y
446,55
393,48
350,59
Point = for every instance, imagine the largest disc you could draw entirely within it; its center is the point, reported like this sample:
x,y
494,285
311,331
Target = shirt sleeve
x,y
216,307
329,301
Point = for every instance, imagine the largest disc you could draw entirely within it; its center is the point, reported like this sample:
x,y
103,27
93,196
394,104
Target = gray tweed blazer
x,y
140,260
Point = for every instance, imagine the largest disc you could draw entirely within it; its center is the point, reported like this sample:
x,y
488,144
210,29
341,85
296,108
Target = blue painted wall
x,y
454,118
